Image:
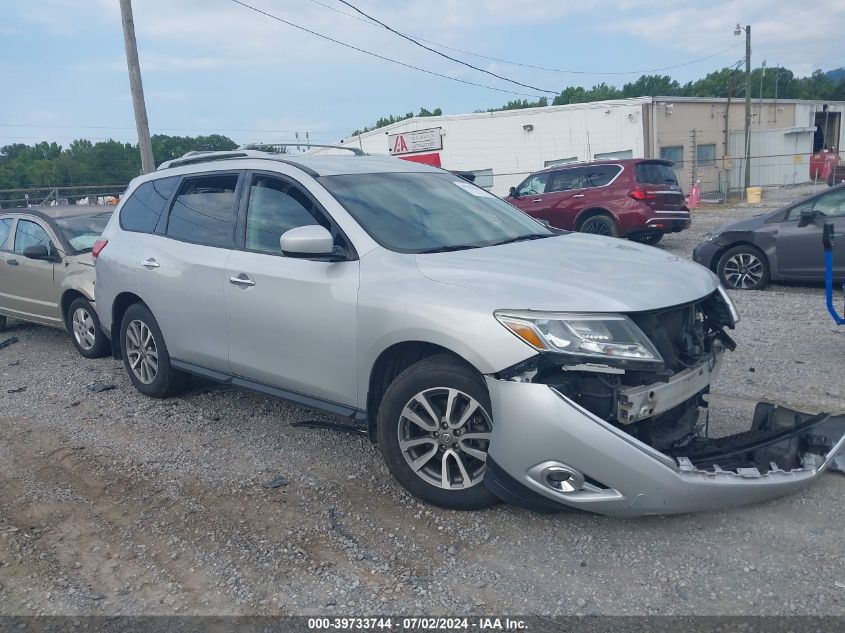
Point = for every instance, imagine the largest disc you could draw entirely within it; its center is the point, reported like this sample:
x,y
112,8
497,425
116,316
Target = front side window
x,y
275,207
144,207
429,212
30,233
204,210
5,229
829,205
535,185
567,179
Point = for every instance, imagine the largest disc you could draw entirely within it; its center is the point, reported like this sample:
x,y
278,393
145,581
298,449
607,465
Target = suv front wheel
x,y
145,355
434,429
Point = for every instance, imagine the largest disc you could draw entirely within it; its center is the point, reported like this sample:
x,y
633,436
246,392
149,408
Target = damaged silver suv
x,y
488,356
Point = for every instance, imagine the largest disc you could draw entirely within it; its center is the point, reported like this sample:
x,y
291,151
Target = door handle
x,y
578,195
241,280
538,200
150,263
12,262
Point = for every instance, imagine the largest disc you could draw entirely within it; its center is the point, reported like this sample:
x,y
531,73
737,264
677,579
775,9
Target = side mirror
x,y
513,193
38,251
311,241
807,216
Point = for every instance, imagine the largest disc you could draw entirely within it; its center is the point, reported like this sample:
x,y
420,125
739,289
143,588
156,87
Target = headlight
x,y
728,302
597,336
710,236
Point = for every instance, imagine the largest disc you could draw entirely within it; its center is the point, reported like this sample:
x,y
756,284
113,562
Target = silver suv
x,y
488,356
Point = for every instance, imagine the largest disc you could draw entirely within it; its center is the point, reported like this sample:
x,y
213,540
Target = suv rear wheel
x,y
599,224
145,356
434,429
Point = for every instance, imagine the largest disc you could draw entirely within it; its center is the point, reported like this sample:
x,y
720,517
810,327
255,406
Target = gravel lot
x,y
111,503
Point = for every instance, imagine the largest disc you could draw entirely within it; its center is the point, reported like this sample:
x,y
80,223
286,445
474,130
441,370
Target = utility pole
x,y
747,106
137,88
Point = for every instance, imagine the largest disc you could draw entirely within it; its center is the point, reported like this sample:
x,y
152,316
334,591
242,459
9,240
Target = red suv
x,y
635,198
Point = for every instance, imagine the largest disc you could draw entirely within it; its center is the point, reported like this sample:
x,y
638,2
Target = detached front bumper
x,y
547,452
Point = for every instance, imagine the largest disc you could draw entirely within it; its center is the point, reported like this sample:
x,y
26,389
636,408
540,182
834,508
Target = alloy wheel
x,y
596,227
142,352
444,435
743,270
84,330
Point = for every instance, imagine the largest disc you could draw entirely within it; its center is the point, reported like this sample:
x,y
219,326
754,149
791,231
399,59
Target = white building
x,y
703,136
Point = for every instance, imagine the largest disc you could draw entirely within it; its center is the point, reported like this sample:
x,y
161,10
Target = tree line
x,y
776,82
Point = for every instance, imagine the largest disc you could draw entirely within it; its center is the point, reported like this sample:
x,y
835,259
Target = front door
x,y
799,248
292,321
28,287
530,195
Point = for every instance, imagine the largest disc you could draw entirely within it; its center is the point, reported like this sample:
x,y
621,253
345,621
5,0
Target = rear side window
x,y
204,210
655,174
140,213
5,229
601,175
567,179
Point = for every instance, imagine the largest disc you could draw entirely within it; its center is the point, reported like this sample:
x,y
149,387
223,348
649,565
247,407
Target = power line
x,y
535,67
376,55
436,52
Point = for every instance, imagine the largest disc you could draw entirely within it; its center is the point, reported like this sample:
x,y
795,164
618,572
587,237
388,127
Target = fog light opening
x,y
563,479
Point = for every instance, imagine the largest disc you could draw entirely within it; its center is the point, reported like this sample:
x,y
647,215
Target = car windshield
x,y
430,212
81,231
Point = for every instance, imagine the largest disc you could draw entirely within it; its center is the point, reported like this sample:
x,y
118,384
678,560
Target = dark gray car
x,y
784,245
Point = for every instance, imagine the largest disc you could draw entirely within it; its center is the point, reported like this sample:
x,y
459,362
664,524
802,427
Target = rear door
x,y
799,249
182,268
291,321
29,289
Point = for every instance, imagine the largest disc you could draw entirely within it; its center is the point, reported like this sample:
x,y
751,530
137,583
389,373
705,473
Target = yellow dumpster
x,y
754,194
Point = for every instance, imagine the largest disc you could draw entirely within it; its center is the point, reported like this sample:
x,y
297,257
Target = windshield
x,y
81,231
430,212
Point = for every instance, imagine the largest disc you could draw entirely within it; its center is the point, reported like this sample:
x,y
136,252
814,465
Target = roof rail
x,y
260,146
190,158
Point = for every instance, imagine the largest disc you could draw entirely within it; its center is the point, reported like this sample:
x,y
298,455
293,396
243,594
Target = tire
x,y
143,347
3,322
649,238
427,385
599,224
743,267
85,331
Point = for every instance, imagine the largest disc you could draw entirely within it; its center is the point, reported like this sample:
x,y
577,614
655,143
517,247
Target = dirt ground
x,y
112,503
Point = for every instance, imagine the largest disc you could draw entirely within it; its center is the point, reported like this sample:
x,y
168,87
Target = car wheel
x,y
434,429
649,238
84,325
743,267
599,225
145,356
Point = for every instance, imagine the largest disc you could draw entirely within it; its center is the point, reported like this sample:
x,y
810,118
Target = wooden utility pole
x,y
137,87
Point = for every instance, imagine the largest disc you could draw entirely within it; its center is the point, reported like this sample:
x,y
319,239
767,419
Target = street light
x,y
738,31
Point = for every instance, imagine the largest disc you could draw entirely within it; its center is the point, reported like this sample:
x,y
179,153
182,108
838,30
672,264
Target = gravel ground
x,y
111,503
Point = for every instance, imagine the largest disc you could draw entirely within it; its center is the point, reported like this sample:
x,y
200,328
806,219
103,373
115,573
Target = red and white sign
x,y
413,142
425,159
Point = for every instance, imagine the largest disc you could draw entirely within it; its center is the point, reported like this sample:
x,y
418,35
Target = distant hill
x,y
835,75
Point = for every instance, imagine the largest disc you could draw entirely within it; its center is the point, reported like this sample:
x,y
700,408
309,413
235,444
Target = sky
x,y
214,66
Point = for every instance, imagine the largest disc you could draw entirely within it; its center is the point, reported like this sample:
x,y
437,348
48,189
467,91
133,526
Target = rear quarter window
x,y
141,212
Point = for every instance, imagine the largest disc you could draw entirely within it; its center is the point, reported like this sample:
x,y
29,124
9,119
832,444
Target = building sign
x,y
412,142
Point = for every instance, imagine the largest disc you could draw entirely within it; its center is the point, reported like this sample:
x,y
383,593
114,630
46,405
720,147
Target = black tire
x,y
166,381
743,267
432,375
81,332
599,224
649,238
3,322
